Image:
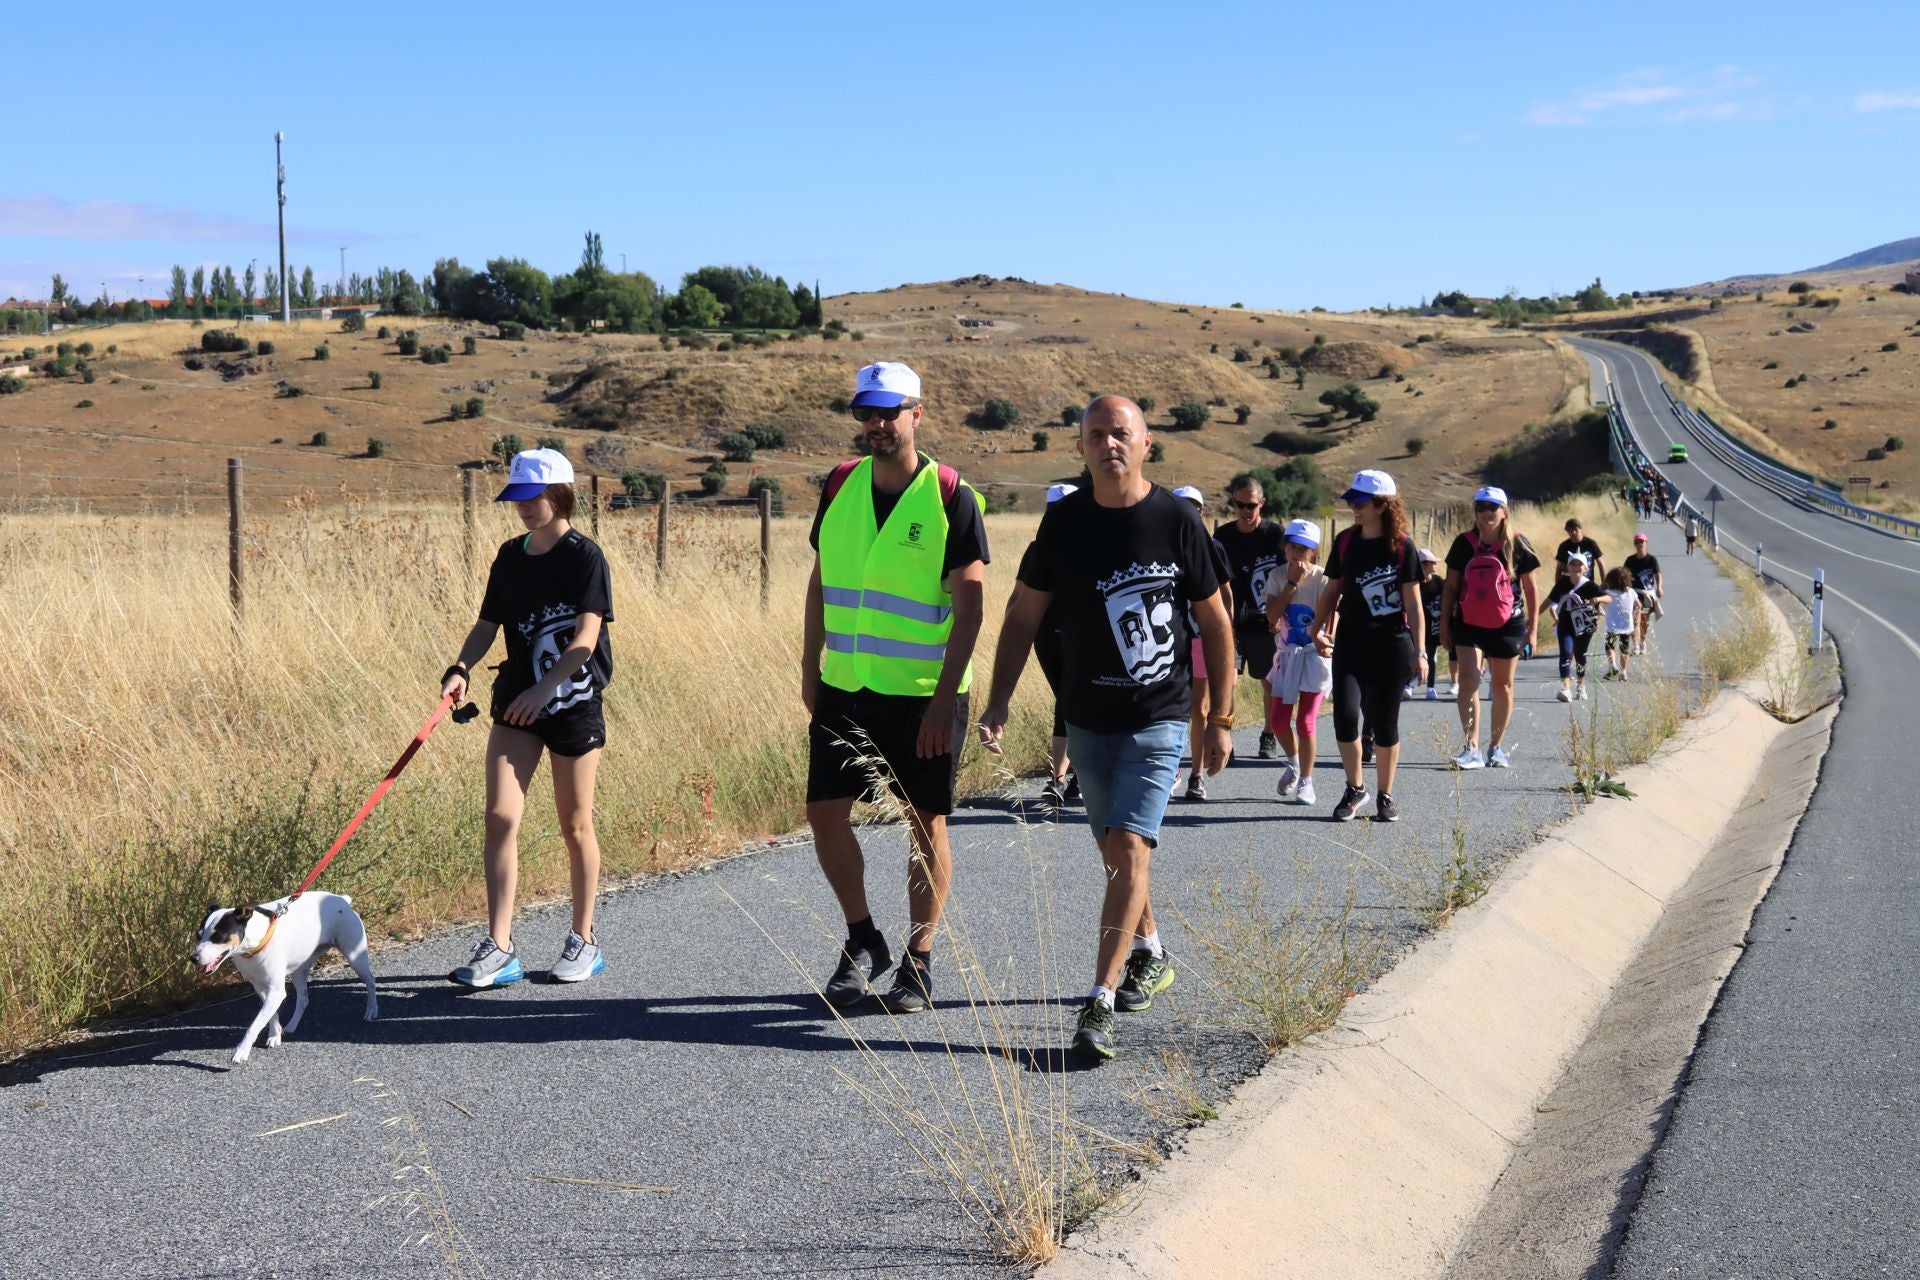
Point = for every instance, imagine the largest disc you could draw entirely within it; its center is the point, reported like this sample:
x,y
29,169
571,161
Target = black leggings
x,y
1369,677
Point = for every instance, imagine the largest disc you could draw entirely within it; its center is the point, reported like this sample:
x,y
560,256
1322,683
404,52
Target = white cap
x,y
1304,532
1192,495
532,471
886,384
1491,493
1580,556
1426,555
1370,484
1055,492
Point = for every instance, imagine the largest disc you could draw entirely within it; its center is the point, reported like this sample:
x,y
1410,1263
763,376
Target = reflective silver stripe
x,y
845,597
839,642
883,602
880,648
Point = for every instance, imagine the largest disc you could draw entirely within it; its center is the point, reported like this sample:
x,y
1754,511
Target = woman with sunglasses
x,y
1373,579
1483,615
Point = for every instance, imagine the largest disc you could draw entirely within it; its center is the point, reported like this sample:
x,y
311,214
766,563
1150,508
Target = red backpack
x,y
1486,600
949,481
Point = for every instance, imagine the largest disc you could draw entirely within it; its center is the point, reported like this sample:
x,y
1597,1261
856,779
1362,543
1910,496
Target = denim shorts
x,y
1127,778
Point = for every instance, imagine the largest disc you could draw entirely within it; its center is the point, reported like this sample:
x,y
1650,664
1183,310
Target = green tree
x,y
1071,415
308,295
643,484
247,280
806,306
998,415
1594,297
177,292
1146,403
1241,412
694,307
452,287
1191,415
57,293
198,300
765,305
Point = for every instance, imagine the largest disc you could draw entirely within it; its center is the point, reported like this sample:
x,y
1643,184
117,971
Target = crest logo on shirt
x,y
913,532
1140,607
550,635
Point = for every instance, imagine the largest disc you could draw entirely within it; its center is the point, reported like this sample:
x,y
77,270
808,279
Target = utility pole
x,y
341,293
623,264
280,187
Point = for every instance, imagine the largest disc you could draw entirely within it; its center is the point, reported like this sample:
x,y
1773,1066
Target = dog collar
x,y
273,922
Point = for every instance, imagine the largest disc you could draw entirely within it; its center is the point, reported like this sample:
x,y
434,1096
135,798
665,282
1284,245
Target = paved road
x,y
1792,1150
701,1063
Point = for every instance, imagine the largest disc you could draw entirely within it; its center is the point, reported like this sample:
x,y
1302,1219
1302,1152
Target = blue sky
x,y
1283,155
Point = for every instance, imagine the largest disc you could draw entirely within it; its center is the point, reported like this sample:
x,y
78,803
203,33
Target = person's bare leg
x,y
1350,761
1126,856
1197,720
1501,670
512,757
839,853
573,778
1385,761
1467,672
929,877
1057,760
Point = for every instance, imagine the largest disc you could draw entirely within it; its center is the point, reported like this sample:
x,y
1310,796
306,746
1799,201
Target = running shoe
x,y
1304,795
1269,745
1498,758
1433,694
1147,976
1289,779
1564,695
1580,691
860,966
1073,785
1196,787
579,960
1453,688
1093,1031
1469,758
1384,809
1053,795
1350,801
489,967
1409,691
912,988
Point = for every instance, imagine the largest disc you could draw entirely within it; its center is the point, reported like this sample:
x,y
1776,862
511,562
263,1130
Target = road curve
x,y
1792,1150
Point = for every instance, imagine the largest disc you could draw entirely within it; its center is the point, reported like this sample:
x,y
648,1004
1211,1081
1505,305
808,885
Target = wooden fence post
x,y
593,512
660,539
236,523
468,483
766,549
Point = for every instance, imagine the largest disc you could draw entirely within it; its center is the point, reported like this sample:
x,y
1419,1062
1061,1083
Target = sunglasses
x,y
1486,506
1247,506
868,412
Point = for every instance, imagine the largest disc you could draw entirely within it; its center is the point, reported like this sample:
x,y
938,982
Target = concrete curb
x,y
1369,1151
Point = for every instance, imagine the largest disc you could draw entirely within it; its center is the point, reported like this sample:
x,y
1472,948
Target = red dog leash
x,y
466,713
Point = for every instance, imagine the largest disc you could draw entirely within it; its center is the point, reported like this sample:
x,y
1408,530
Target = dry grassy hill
x,y
157,432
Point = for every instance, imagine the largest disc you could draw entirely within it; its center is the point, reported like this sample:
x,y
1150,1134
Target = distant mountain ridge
x,y
1879,256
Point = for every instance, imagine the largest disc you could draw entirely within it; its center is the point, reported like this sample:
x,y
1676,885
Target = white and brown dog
x,y
273,941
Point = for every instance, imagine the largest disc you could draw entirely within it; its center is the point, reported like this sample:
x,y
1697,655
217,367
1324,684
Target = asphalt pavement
x,y
696,1111
1792,1148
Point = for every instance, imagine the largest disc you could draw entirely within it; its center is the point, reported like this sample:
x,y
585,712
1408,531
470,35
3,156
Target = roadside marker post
x,y
1819,609
1759,559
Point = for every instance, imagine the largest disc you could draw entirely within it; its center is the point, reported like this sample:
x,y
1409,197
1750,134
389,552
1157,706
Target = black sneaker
x,y
1385,810
1053,795
1147,976
1350,801
1196,787
861,965
1093,1031
1073,786
1269,745
912,987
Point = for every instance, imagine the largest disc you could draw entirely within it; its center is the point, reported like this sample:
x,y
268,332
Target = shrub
x,y
385,333
408,342
291,392
265,347
998,415
513,331
504,447
1241,412
1771,364
714,479
737,446
215,340
1237,306
643,484
830,333
319,440
86,349
64,349
31,353
86,375
1829,424
1894,444
1190,415
475,406
554,443
1241,355
84,404
1890,346
1273,370
1293,442
1876,454
1218,402
1071,415
470,345
456,411
1040,441
376,447
859,335
1416,446
10,385
770,485
436,355
1156,452
765,435
1319,339
113,348
374,379
1350,401
1213,348
1146,403
1387,371
1799,286
323,352
356,322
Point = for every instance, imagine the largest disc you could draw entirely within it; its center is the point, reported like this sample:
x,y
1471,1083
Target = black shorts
x,y
571,733
1253,648
1506,642
849,730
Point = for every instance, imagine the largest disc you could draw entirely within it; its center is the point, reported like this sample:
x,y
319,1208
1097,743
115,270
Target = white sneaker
x,y
1407,691
1581,692
1498,759
1433,694
1469,758
1564,695
1453,688
1303,794
1289,779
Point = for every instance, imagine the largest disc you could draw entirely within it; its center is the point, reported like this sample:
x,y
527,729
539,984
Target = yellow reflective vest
x,y
884,590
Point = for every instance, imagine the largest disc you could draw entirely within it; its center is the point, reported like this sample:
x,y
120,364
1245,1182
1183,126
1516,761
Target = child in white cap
x,y
1302,670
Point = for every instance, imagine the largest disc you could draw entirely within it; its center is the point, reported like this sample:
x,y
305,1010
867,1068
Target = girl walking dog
x,y
549,589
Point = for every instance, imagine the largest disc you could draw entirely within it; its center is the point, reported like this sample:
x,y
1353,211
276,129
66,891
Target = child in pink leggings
x,y
1302,671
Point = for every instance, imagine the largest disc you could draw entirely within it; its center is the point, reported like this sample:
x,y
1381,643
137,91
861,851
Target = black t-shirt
x,y
1525,561
1050,621
1568,546
1254,558
1430,600
1371,574
1124,578
1642,569
1574,616
535,601
966,531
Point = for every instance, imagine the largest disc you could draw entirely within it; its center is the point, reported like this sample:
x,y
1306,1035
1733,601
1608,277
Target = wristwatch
x,y
1220,722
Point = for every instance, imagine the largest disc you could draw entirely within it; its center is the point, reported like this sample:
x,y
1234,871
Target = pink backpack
x,y
1486,600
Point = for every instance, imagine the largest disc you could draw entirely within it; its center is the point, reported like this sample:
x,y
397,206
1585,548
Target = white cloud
x,y
1722,94
50,217
1880,100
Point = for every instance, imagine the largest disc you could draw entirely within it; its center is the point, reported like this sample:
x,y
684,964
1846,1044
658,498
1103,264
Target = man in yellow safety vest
x,y
893,610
